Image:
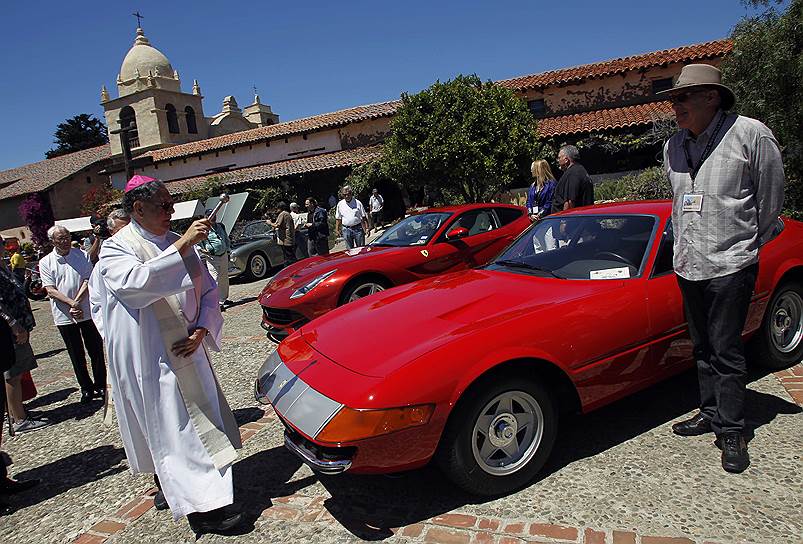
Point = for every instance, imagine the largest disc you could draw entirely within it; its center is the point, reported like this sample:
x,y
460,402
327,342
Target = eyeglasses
x,y
166,206
680,98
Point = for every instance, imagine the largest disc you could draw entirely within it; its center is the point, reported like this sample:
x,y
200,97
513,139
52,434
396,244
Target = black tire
x,y
367,285
252,268
461,446
779,342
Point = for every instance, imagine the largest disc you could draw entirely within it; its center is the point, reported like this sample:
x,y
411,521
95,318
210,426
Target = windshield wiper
x,y
519,264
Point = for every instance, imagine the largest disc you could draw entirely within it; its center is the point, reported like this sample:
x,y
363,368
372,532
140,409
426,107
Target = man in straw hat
x,y
727,181
160,316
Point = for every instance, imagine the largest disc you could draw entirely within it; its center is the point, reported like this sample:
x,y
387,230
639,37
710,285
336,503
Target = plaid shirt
x,y
14,305
742,186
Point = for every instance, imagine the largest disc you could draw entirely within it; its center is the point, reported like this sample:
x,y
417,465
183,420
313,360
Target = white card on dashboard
x,y
610,273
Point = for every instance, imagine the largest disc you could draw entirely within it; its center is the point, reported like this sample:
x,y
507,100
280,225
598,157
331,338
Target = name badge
x,y
692,202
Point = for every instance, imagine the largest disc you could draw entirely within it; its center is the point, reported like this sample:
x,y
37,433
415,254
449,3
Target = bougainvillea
x,y
36,212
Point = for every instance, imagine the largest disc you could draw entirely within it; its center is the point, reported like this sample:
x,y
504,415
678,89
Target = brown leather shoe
x,y
692,427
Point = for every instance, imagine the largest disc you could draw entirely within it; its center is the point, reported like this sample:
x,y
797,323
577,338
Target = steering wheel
x,y
617,257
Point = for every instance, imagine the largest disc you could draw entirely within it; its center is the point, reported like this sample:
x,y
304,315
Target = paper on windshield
x,y
610,273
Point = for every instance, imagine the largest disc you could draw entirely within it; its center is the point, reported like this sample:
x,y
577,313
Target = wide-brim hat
x,y
703,75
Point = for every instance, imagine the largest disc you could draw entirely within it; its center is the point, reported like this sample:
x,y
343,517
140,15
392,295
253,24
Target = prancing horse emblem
x,y
425,252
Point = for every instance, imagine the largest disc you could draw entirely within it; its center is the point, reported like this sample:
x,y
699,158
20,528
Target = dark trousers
x,y
318,247
716,311
289,253
72,335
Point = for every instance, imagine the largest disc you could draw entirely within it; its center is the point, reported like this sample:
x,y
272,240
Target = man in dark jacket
x,y
574,188
317,228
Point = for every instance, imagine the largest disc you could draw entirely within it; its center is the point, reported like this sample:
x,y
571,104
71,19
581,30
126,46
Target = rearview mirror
x,y
457,232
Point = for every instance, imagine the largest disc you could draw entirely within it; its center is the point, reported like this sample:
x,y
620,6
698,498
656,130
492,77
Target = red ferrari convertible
x,y
431,242
474,368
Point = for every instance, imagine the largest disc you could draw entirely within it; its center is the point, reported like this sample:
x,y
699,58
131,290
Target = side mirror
x,y
457,232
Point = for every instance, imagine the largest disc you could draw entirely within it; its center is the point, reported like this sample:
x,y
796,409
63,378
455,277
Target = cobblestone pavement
x,y
616,476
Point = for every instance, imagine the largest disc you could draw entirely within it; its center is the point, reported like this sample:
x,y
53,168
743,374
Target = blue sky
x,y
313,57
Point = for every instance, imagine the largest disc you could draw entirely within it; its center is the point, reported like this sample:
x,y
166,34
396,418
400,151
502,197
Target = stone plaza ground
x,y
616,476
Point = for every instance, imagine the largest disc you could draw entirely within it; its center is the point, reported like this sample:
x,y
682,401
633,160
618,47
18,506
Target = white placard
x,y
610,273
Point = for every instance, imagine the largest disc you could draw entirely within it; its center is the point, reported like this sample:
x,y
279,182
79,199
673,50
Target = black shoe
x,y
5,509
214,521
10,487
734,452
87,396
692,427
159,501
99,394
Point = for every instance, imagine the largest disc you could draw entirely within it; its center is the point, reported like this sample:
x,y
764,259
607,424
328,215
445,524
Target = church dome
x,y
145,58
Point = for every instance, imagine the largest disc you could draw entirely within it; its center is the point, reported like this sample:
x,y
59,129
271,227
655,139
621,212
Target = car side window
x,y
507,215
476,222
663,261
257,229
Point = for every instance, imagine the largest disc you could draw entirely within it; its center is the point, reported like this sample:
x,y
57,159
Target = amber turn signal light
x,y
350,425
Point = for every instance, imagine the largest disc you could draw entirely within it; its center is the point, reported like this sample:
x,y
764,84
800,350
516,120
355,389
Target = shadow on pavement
x,y
49,353
369,506
247,415
51,398
70,472
261,477
240,302
74,410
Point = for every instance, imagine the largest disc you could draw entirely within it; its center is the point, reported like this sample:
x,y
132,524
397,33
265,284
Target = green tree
x,y
765,70
80,132
210,187
469,139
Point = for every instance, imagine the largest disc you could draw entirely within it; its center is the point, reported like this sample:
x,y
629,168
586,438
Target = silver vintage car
x,y
254,252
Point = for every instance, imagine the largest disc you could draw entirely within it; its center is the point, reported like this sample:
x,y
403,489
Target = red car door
x,y
670,342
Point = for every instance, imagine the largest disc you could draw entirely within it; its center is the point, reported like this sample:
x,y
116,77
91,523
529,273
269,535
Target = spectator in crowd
x,y
215,253
375,204
301,234
65,275
285,232
539,196
317,228
11,334
727,180
161,305
351,220
332,201
18,266
105,227
116,220
574,189
15,311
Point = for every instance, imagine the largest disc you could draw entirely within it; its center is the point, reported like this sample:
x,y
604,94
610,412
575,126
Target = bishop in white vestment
x,y
173,417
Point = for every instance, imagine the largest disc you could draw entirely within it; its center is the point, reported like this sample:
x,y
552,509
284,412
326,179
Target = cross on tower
x,y
255,89
139,17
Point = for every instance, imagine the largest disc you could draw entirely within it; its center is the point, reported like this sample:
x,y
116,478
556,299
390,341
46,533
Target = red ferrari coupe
x,y
431,242
474,368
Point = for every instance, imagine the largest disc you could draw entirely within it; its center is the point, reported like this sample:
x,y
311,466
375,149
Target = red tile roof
x,y
280,130
325,161
612,118
41,175
576,74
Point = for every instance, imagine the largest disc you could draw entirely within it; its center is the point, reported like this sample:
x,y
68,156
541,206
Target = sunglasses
x,y
680,98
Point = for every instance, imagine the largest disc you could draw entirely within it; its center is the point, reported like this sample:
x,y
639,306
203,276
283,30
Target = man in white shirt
x,y
350,218
375,204
65,274
300,234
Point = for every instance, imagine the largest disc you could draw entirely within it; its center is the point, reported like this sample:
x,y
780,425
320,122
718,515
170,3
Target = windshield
x,y
415,230
581,247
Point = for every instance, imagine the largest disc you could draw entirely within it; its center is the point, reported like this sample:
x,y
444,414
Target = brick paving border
x,y
447,528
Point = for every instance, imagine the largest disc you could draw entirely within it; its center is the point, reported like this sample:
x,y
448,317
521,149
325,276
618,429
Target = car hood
x,y
304,271
384,332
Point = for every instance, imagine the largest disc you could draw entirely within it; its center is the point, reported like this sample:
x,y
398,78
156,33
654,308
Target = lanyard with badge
x,y
693,202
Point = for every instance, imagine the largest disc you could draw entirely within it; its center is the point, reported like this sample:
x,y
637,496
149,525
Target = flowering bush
x,y
36,212
97,200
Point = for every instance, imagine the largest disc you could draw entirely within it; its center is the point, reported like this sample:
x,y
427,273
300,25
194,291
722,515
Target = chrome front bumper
x,y
316,462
